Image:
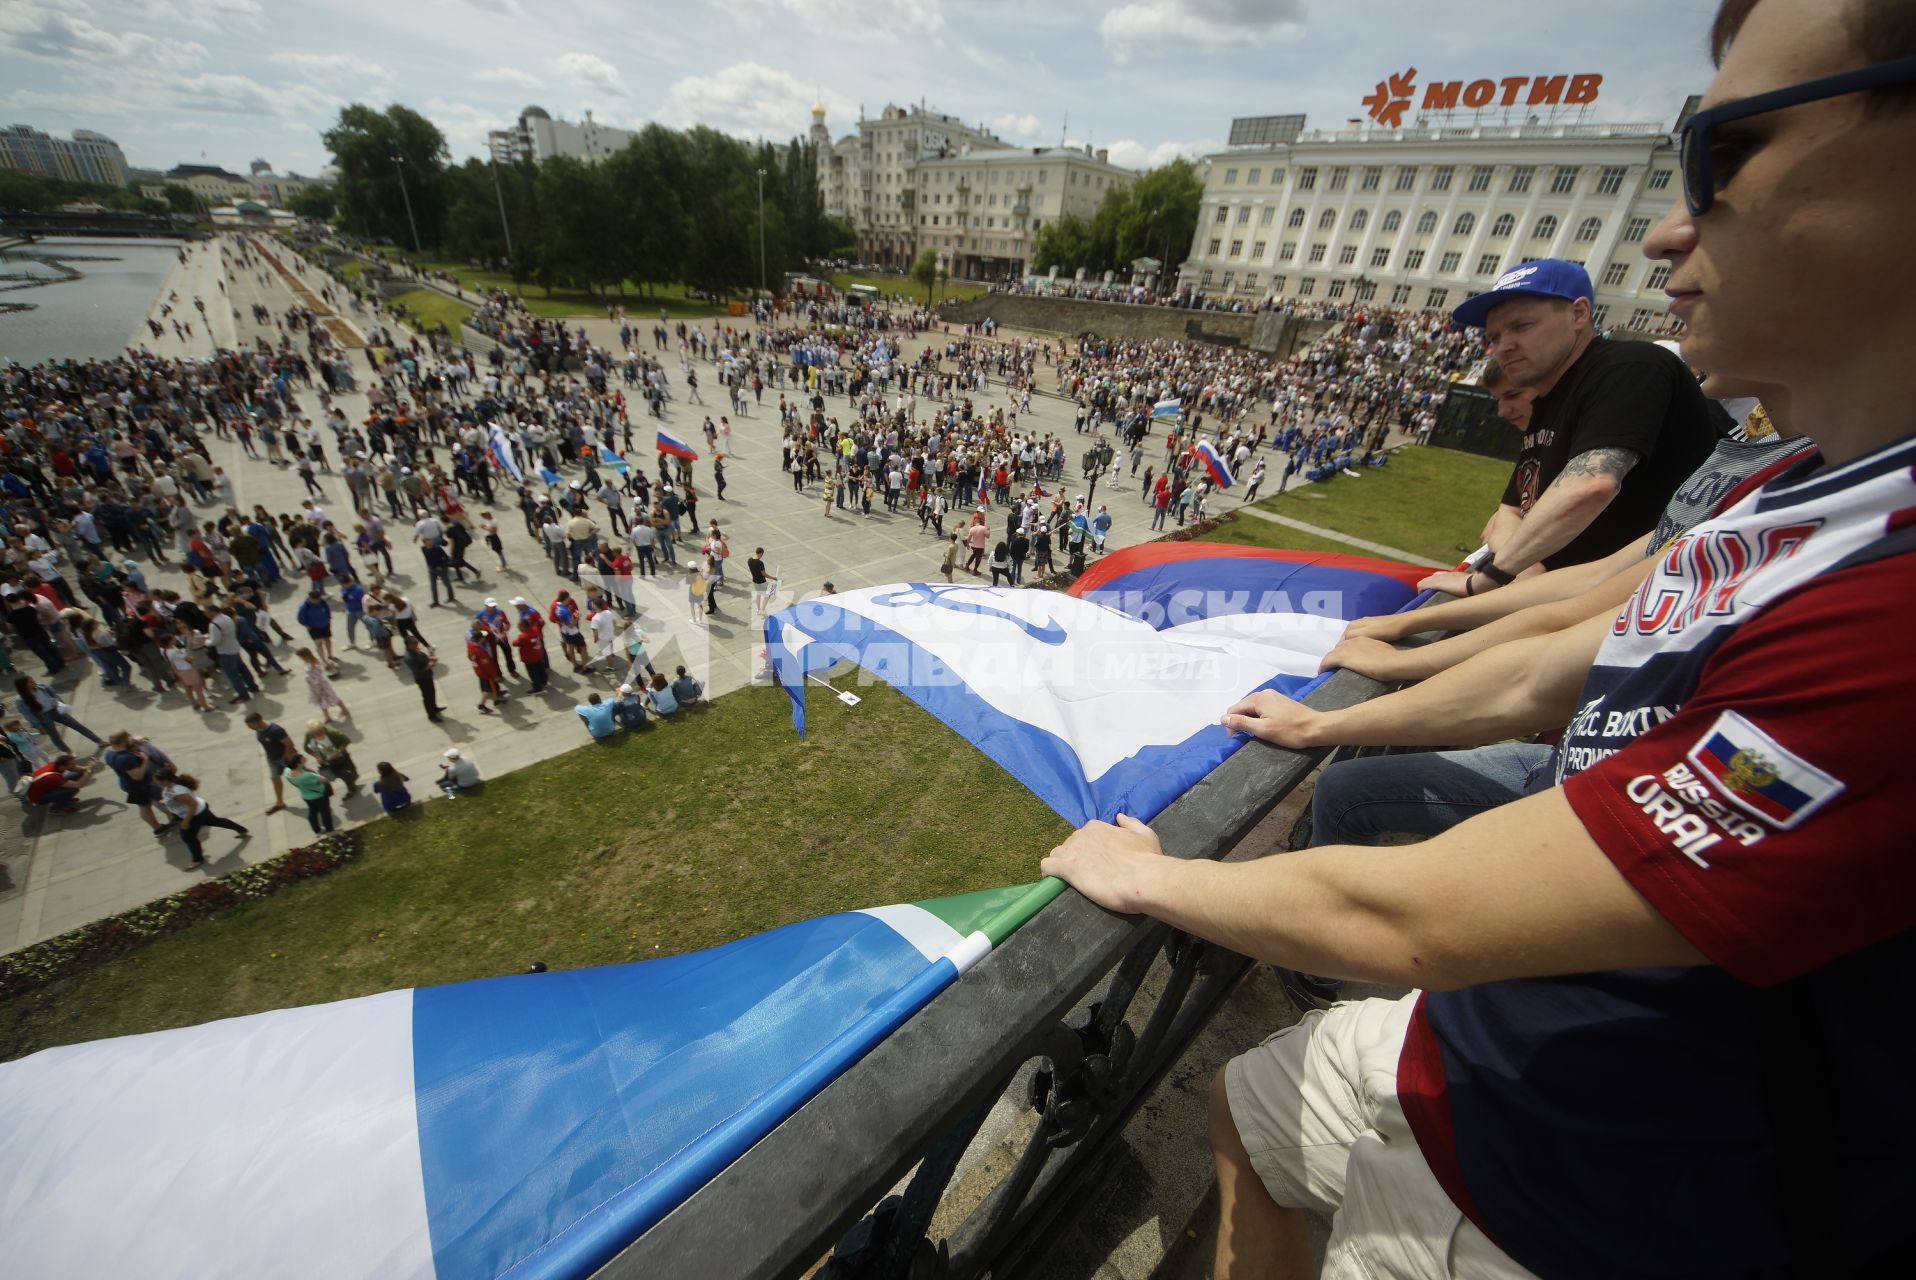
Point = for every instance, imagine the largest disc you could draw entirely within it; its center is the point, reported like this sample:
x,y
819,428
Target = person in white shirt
x,y
457,774
605,632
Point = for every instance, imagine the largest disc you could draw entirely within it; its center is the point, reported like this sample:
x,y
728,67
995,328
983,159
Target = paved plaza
x,y
75,869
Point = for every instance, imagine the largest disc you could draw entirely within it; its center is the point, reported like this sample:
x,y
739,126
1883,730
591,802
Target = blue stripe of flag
x,y
543,1097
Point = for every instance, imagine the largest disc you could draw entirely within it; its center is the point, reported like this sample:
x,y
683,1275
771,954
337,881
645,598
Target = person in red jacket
x,y
485,665
531,644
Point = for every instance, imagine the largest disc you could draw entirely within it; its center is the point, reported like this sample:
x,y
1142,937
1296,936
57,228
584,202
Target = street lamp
x,y
399,163
761,231
493,158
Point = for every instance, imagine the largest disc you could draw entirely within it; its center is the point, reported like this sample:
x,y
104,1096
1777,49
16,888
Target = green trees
x,y
672,206
368,194
1153,218
925,272
313,202
27,191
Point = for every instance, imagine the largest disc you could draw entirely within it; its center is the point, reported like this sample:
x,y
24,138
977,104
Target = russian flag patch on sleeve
x,y
1760,775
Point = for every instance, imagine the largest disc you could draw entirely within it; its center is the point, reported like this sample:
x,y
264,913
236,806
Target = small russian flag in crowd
x,y
984,487
677,448
1214,463
1167,408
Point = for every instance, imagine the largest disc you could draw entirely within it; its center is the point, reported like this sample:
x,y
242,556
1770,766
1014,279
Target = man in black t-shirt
x,y
1615,427
278,746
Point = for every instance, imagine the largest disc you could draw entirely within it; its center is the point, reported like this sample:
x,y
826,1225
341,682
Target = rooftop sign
x,y
1387,103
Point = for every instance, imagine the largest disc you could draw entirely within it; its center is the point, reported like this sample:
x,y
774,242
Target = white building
x,y
838,171
873,176
212,184
982,211
85,157
538,137
278,190
1427,216
913,178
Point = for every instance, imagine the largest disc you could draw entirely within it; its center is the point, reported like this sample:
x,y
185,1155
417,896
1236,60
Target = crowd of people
x,y
109,472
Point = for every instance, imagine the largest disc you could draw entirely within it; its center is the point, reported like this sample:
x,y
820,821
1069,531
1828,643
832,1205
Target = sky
x,y
228,81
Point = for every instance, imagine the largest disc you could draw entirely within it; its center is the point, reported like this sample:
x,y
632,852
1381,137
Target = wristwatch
x,y
1490,570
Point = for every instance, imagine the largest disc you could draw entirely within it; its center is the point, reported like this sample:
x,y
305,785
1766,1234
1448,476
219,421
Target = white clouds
x,y
39,32
331,68
1156,26
206,15
589,71
746,98
1012,125
242,95
884,21
464,125
508,7
1136,155
509,75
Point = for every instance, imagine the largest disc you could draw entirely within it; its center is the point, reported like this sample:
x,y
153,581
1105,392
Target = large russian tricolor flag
x,y
1105,700
530,1125
676,447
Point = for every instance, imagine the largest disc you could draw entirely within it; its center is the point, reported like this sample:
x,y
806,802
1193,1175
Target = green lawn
x,y
563,303
1249,531
430,307
954,289
1430,502
715,825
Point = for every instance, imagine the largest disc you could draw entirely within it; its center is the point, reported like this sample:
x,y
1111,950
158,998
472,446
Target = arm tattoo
x,y
1615,463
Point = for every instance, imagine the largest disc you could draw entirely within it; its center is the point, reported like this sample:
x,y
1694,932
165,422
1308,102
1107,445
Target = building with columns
x,y
1426,216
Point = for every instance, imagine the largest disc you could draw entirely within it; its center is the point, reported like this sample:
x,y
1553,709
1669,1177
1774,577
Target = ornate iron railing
x,y
819,1184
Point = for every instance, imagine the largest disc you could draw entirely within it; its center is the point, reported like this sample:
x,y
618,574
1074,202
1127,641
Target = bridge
x,y
106,223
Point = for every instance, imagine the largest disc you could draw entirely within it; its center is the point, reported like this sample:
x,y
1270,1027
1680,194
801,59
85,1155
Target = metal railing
x,y
818,1183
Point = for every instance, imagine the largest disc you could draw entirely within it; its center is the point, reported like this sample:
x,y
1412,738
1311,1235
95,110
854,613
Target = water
x,y
92,316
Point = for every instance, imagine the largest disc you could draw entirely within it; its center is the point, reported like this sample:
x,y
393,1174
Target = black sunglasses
x,y
1699,179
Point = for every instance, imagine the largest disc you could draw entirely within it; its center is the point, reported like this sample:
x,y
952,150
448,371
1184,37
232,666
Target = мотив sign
x,y
1392,97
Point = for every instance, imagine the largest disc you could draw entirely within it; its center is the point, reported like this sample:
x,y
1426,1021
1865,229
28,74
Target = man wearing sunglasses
x,y
1665,1017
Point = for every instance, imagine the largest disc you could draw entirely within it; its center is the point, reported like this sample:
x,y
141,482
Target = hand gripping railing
x,y
813,1185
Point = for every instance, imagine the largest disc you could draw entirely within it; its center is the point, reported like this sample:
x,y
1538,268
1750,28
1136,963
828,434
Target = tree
x,y
314,202
1064,243
925,272
647,181
368,193
183,199
1161,214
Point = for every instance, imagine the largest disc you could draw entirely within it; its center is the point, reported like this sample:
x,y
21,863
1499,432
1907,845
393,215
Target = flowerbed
x,y
92,944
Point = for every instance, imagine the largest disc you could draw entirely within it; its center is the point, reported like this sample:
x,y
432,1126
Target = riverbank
x,y
94,292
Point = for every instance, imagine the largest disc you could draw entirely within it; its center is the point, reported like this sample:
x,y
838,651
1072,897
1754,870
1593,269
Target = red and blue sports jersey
x,y
1735,756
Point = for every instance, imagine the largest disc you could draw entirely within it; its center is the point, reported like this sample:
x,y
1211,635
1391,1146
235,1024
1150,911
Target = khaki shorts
x,y
1316,1107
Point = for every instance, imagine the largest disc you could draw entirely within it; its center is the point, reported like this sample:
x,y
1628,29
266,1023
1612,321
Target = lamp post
x,y
506,227
761,231
399,163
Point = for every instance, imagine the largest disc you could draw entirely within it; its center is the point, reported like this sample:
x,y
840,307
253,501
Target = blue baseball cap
x,y
1544,278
